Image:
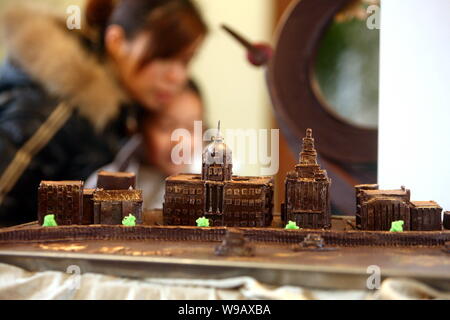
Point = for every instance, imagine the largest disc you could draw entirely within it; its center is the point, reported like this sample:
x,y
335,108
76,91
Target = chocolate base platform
x,y
188,252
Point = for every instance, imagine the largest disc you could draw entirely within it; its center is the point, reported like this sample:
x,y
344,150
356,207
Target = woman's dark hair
x,y
173,24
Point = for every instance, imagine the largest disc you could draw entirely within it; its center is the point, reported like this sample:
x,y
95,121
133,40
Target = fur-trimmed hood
x,y
41,44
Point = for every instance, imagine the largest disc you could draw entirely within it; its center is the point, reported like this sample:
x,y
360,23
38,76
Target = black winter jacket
x,y
62,115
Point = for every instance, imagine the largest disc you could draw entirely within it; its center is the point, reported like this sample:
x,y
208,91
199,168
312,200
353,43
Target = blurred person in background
x,y
68,98
148,154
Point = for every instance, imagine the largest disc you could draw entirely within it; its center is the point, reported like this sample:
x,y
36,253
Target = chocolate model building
x,y
307,196
224,199
64,199
72,204
425,216
111,206
377,209
116,197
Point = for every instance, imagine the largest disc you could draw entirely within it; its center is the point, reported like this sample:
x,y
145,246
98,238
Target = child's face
x,y
157,131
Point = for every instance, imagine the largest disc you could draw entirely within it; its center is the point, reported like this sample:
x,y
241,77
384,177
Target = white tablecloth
x,y
16,283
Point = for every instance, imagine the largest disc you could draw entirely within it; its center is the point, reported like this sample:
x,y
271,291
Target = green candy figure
x,y
49,221
292,225
397,226
202,222
129,221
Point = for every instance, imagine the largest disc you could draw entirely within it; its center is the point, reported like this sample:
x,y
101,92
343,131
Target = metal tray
x,y
311,269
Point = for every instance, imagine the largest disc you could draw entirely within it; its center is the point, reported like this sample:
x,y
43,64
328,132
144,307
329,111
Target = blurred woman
x,y
68,97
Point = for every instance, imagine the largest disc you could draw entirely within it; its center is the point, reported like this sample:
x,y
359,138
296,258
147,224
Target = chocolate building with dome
x,y
216,194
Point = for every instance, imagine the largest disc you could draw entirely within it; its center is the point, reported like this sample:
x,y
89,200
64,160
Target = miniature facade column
x,y
216,170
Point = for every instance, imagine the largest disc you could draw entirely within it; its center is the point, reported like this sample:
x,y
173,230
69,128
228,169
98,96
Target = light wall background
x,y
414,136
235,92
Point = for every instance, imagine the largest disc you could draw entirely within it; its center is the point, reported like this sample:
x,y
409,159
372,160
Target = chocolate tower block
x,y
111,206
358,189
224,199
425,216
307,199
116,180
64,199
379,208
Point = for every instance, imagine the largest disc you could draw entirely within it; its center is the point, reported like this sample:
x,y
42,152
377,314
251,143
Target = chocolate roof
x,y
196,178
118,195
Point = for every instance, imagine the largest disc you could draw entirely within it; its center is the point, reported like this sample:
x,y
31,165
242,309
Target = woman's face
x,y
156,83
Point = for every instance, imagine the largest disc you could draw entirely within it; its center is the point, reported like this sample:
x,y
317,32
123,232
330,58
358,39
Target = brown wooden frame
x,y
293,90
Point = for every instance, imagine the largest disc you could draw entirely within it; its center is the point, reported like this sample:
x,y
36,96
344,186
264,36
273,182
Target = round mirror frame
x,y
297,102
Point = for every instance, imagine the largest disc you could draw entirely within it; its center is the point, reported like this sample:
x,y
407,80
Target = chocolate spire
x,y
216,140
308,155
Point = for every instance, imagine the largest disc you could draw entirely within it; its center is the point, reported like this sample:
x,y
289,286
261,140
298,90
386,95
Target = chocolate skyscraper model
x,y
307,199
224,199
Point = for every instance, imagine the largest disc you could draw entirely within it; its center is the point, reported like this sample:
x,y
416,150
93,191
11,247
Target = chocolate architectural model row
x,y
114,198
247,201
234,201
